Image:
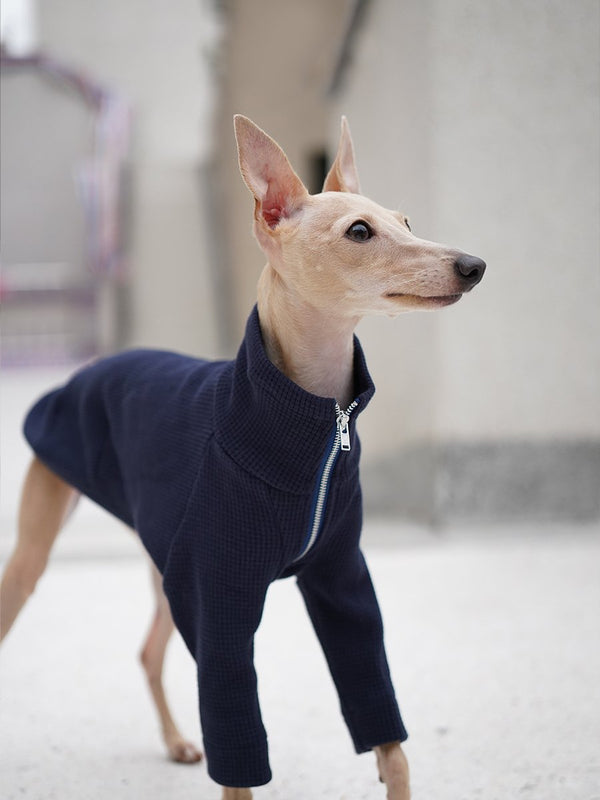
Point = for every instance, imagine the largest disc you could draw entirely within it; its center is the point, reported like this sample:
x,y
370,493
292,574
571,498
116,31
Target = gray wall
x,y
480,120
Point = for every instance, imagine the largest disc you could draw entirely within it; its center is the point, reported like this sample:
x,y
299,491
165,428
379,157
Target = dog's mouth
x,y
417,300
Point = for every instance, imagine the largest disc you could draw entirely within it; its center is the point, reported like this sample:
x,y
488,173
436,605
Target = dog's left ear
x,y
266,171
343,175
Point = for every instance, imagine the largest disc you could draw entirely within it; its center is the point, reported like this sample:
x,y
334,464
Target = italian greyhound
x,y
247,470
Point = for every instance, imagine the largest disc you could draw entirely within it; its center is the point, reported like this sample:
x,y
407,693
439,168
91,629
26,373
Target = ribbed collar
x,y
272,427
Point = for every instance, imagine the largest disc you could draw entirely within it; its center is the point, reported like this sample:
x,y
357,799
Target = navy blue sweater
x,y
233,477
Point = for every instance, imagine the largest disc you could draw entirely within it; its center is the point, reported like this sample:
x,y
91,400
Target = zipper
x,y
340,441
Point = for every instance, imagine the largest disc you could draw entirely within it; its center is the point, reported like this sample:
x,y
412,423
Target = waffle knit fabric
x,y
217,466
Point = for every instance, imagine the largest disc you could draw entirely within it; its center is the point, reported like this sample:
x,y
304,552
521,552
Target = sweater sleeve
x,y
342,605
220,566
235,739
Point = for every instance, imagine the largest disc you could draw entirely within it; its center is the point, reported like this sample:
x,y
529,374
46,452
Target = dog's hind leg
x,y
152,658
45,504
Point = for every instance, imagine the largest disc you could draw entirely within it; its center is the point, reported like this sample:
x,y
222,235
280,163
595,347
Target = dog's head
x,y
339,249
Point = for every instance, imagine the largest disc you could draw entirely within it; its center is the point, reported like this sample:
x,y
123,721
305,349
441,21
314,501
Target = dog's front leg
x,y
230,793
152,658
393,770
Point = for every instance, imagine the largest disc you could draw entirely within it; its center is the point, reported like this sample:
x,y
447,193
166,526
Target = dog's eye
x,y
359,231
407,223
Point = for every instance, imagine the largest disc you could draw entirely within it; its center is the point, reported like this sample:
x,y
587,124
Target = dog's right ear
x,y
343,175
277,190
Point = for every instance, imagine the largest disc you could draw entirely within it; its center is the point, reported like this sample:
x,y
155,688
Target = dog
x,y
238,473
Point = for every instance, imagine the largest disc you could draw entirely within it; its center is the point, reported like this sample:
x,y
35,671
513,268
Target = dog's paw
x,y
183,752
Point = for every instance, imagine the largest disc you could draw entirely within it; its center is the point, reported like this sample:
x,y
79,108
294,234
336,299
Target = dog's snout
x,y
469,268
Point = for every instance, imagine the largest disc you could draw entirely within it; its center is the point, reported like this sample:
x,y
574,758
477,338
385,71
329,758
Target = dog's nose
x,y
469,268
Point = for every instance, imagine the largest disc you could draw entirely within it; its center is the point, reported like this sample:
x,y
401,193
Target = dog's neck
x,y
312,347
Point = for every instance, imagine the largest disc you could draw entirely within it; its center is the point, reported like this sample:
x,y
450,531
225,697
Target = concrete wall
x,y
480,120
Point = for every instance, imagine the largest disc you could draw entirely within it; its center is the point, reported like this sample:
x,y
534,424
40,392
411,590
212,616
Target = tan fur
x,y
314,289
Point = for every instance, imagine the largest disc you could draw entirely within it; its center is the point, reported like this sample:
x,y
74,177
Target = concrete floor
x,y
493,636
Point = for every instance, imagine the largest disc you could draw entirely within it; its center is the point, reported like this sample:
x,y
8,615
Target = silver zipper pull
x,y
342,423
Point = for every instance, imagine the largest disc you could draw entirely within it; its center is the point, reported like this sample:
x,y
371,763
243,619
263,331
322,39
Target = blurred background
x,y
125,221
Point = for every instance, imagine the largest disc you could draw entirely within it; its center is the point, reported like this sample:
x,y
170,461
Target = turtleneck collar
x,y
273,428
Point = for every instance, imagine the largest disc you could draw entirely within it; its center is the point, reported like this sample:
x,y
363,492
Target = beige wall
x,y
531,155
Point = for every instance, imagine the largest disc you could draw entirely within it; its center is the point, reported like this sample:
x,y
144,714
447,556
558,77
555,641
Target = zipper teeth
x,y
324,482
322,493
348,411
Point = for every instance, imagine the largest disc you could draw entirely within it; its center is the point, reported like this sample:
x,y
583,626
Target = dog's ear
x,y
277,190
343,175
